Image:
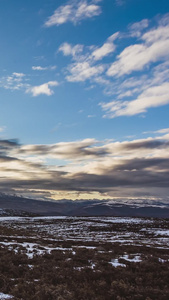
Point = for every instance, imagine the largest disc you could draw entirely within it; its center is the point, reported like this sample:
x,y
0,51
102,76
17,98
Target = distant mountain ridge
x,y
15,205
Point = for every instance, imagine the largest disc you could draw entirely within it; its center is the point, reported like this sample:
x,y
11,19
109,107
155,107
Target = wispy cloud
x,y
91,116
137,28
15,81
39,68
19,81
120,2
82,71
74,11
2,128
136,95
91,53
154,48
146,57
86,59
152,97
107,48
160,131
43,89
68,49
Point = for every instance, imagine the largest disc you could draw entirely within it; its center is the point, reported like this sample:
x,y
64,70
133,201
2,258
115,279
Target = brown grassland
x,y
81,269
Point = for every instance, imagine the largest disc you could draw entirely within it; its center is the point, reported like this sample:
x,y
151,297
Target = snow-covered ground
x,y
125,231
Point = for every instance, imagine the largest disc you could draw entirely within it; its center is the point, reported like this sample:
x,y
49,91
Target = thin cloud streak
x,y
39,68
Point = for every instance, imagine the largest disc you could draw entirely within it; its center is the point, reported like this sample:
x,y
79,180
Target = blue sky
x,y
84,98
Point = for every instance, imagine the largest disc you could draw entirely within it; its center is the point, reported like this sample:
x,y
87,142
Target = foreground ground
x,y
68,258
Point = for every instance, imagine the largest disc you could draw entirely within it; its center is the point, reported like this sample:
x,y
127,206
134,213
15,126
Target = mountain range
x,y
17,205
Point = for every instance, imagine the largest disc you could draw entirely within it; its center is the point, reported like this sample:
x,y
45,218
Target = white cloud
x,y
39,68
152,97
136,84
103,51
132,95
132,87
106,49
43,89
74,11
18,75
68,49
86,66
2,128
160,131
60,16
91,116
136,28
120,2
15,81
90,55
135,57
18,81
160,33
82,71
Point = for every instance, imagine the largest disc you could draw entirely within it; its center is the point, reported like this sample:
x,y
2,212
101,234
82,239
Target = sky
x,y
84,94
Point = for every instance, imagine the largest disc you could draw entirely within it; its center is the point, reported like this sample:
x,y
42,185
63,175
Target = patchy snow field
x,y
97,247
41,235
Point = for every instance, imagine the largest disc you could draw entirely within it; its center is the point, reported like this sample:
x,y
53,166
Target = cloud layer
x,y
88,166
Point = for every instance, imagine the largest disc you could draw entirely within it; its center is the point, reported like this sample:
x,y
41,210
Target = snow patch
x,y
5,296
115,263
